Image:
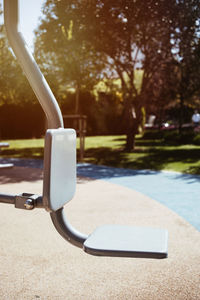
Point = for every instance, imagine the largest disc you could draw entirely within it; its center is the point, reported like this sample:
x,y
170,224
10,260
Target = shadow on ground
x,y
23,152
104,172
19,174
22,173
131,164
152,159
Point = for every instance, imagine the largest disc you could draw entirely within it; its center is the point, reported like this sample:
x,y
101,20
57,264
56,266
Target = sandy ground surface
x,y
37,263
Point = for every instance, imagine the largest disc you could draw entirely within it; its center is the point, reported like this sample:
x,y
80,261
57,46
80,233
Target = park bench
x,y
5,166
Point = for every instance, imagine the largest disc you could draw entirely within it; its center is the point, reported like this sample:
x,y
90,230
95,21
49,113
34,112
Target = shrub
x,y
196,139
153,134
174,137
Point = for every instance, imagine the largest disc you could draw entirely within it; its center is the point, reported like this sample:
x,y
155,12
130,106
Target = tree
x,y
175,82
8,71
186,41
116,38
14,88
18,104
59,46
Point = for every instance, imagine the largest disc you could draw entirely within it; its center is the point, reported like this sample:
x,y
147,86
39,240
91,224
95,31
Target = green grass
x,y
108,150
30,148
148,154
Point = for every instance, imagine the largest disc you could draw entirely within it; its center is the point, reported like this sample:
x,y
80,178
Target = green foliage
x,y
148,53
196,139
88,107
9,72
174,137
108,114
103,115
85,41
14,87
60,47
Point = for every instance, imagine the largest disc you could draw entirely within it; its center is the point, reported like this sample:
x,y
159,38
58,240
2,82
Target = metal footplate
x,y
125,241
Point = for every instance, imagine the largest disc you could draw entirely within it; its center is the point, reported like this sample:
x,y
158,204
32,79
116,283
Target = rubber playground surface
x,y
179,192
37,263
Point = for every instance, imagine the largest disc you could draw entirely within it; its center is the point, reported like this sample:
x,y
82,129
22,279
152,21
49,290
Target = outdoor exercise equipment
x,y
60,171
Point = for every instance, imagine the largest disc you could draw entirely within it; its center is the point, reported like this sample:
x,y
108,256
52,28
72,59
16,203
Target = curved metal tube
x,y
46,99
30,67
70,234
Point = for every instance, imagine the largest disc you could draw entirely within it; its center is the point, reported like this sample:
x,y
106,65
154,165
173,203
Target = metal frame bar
x,y
5,198
22,201
29,66
47,101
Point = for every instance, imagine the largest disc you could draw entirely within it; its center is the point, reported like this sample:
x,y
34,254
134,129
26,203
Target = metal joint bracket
x,y
28,201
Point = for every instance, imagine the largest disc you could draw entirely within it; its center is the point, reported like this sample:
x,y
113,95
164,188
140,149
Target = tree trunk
x,y
131,127
77,98
181,113
130,140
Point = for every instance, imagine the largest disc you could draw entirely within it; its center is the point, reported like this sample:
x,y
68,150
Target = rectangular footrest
x,y
125,241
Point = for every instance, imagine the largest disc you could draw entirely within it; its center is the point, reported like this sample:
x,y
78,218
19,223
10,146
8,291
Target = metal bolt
x,y
29,204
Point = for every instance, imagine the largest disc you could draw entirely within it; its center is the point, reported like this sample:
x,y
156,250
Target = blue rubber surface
x,y
179,192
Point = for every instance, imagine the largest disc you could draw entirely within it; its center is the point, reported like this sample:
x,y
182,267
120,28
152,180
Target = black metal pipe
x,y
39,202
5,198
70,234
